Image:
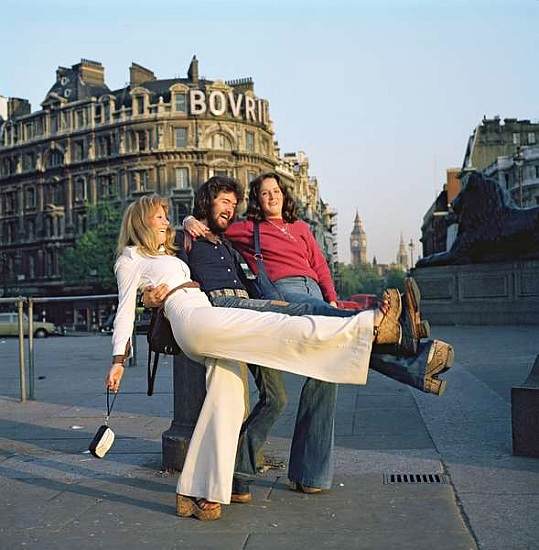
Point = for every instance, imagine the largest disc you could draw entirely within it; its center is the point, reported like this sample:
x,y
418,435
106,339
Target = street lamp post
x,y
411,247
518,159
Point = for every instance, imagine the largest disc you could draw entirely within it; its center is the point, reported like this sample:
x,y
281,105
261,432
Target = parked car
x,y
9,326
142,323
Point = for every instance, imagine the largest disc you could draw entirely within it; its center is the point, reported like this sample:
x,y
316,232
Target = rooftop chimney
x,y
139,74
90,72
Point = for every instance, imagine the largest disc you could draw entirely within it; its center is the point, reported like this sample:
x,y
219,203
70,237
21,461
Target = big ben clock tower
x,y
358,243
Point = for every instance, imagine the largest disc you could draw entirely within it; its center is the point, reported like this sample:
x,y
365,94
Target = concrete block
x,y
525,415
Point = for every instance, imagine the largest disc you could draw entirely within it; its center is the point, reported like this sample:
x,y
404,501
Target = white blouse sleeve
x,y
128,275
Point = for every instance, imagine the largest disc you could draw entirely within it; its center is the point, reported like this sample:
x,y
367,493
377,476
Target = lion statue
x,y
490,227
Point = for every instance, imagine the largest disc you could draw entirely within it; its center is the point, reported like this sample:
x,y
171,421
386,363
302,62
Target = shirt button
x,y
229,270
235,281
215,247
222,257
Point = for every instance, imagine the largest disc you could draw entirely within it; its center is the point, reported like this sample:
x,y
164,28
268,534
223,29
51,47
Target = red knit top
x,y
289,250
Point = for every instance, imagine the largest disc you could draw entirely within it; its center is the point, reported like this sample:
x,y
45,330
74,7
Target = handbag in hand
x,y
104,438
160,337
261,285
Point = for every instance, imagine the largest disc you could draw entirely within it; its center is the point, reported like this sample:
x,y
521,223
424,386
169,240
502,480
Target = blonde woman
x,y
330,349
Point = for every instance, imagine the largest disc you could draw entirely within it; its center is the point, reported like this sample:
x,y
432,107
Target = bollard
x,y
31,372
189,381
20,304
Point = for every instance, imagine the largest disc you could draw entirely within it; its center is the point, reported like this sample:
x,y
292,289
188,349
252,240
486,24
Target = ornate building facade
x,y
90,144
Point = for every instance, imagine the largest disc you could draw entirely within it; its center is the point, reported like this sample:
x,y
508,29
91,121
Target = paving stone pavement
x,y
53,494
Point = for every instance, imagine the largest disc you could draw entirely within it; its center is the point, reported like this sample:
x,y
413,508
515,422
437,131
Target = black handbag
x,y
160,337
261,284
104,438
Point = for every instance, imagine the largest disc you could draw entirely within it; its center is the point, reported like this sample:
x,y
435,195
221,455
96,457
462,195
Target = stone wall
x,y
480,294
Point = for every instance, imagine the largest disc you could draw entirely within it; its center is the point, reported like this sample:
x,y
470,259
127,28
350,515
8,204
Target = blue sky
x,y
382,96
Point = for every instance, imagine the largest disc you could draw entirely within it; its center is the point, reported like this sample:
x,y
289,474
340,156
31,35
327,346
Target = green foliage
x,y
395,279
91,260
364,279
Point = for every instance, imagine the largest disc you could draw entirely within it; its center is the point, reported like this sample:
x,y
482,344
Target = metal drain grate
x,y
415,478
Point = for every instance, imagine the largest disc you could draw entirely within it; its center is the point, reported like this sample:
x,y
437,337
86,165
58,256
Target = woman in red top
x,y
296,265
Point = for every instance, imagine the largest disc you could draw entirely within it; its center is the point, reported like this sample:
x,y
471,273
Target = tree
x,y
395,279
90,261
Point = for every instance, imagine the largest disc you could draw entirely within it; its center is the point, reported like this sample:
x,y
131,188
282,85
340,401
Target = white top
x,y
133,272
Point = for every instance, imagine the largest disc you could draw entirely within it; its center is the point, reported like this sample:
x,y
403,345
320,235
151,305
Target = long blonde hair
x,y
135,231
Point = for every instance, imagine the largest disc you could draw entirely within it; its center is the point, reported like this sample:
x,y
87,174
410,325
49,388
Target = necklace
x,y
283,229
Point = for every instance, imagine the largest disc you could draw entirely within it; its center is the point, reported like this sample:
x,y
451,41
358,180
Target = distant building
x,y
89,144
518,174
358,243
493,139
434,230
402,255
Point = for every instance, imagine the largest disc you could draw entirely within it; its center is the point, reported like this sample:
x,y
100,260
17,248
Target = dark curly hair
x,y
209,190
254,211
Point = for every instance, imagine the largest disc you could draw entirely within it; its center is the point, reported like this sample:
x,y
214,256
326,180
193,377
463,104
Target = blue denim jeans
x,y
273,399
311,453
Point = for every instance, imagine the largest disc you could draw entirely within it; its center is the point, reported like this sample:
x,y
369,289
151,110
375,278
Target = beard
x,y
215,226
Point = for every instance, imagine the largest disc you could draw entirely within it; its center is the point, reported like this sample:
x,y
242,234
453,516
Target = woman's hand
x,y
333,303
154,296
194,227
114,376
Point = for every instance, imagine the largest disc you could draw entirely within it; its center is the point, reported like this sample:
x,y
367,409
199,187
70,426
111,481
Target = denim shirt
x,y
214,265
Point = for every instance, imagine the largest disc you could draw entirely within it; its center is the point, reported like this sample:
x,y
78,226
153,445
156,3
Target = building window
x,y
507,184
28,162
30,230
108,186
180,211
182,178
531,138
79,118
106,112
180,137
537,171
139,102
98,113
31,266
180,103
78,150
139,180
29,197
142,140
56,158
222,172
516,138
250,141
81,191
220,141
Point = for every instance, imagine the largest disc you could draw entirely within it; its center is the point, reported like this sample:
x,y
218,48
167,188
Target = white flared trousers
x,y
331,349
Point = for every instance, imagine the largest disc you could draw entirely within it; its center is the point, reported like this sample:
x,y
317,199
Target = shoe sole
x,y
187,508
386,335
241,498
306,490
412,317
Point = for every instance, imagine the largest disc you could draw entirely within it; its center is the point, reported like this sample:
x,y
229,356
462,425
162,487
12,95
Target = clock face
x,y
355,244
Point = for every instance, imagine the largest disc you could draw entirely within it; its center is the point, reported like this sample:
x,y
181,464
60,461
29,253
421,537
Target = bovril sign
x,y
218,103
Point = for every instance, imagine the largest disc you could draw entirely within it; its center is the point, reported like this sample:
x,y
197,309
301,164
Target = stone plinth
x,y
525,415
480,294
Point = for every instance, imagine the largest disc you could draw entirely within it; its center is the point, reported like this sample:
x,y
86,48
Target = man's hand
x,y
114,376
153,296
194,227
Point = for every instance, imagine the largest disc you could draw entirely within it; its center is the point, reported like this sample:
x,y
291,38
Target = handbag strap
x,y
258,251
110,405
